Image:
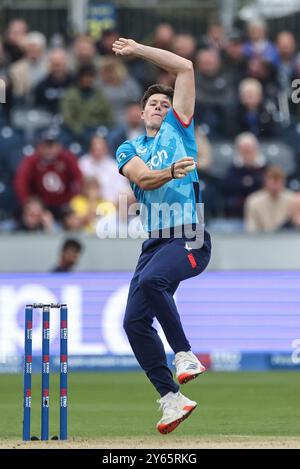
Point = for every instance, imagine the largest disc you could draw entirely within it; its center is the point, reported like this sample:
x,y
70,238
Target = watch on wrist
x,y
173,171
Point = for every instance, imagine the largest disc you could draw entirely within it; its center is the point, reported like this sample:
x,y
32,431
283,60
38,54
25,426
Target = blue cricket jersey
x,y
174,203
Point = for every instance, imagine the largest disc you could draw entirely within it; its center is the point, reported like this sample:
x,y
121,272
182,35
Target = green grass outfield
x,y
110,405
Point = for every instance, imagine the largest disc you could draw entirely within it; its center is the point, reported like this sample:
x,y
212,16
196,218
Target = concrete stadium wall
x,y
39,253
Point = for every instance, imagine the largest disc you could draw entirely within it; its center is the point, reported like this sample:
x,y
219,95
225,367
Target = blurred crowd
x,y
69,106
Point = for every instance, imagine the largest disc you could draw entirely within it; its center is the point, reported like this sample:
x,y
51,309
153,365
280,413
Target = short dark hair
x,y
155,89
72,244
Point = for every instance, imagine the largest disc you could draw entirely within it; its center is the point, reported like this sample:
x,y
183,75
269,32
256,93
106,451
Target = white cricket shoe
x,y
176,408
188,367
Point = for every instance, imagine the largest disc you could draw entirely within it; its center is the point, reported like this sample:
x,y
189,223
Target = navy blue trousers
x,y
162,265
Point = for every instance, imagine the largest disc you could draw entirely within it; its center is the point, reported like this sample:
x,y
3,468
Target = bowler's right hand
x,y
125,47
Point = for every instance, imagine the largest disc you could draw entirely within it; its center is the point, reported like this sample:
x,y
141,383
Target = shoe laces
x,y
169,404
182,358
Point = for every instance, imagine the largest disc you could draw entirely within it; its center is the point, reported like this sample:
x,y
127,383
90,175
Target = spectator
x,y
295,212
253,114
51,173
185,46
104,46
245,175
70,221
286,72
34,217
129,129
84,107
286,46
100,164
166,78
69,256
258,44
270,208
163,37
14,40
265,73
84,53
234,61
30,70
6,90
89,206
50,91
211,195
117,86
214,38
214,94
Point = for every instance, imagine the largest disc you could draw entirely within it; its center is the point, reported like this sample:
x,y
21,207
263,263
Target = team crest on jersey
x,y
141,151
121,157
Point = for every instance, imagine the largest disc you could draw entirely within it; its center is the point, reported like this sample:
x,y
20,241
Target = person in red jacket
x,y
51,174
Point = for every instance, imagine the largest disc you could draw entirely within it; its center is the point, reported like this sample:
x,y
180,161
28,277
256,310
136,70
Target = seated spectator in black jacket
x,y
129,129
245,176
254,114
214,94
50,91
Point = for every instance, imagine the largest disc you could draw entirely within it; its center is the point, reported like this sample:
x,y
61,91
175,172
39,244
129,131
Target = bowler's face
x,y
156,110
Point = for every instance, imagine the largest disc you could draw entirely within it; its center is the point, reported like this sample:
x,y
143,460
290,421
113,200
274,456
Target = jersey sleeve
x,y
186,130
124,153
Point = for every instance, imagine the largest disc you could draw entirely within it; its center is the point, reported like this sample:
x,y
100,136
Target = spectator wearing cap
x,y
14,40
244,176
99,163
270,208
50,91
214,94
130,128
29,71
51,174
253,113
84,107
117,86
258,44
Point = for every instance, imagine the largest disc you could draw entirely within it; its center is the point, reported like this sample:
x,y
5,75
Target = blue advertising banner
x,y
236,320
